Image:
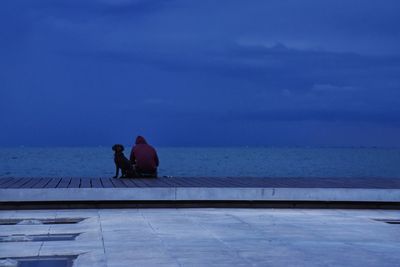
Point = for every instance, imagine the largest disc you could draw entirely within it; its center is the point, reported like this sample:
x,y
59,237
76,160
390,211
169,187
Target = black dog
x,y
121,162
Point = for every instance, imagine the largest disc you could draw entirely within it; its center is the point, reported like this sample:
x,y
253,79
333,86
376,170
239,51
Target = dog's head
x,y
117,148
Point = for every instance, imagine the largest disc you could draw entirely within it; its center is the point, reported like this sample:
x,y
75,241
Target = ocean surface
x,y
207,161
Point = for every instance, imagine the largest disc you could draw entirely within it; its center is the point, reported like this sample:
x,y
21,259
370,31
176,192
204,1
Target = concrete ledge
x,y
85,194
199,194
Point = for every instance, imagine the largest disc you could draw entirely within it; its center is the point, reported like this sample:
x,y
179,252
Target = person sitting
x,y
144,157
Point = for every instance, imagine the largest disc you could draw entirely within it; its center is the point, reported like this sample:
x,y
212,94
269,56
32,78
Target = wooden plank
x,y
42,183
226,182
5,181
118,183
268,182
235,182
128,182
179,182
197,181
85,183
32,182
106,182
207,182
171,181
314,182
142,182
158,182
53,183
192,182
96,183
166,182
64,183
145,181
301,183
394,183
75,183
150,182
214,182
280,182
240,182
186,182
11,183
383,183
20,183
138,182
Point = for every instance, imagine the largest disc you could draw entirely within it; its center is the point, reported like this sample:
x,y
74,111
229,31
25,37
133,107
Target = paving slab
x,y
19,249
218,237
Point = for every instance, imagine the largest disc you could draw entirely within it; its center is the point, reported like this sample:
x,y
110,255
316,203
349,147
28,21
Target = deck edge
x,y
199,194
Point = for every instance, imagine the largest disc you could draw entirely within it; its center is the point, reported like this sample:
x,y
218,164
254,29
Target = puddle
x,y
389,221
33,221
8,263
38,238
39,261
29,222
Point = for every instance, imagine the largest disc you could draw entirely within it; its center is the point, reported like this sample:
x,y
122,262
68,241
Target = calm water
x,y
256,162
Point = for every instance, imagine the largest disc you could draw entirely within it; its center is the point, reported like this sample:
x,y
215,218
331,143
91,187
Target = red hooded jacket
x,y
144,156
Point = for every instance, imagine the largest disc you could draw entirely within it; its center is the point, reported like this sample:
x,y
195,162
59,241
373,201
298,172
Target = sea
x,y
207,161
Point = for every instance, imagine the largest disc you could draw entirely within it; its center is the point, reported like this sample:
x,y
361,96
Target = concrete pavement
x,y
213,237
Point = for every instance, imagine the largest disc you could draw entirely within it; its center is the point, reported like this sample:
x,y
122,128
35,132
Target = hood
x,y
140,140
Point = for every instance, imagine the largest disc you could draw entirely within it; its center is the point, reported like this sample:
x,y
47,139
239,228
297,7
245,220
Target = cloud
x,y
178,61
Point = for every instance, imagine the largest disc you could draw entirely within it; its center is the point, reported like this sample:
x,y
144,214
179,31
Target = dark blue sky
x,y
209,72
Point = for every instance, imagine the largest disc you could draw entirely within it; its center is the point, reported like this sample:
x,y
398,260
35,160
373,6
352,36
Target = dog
x,y
121,162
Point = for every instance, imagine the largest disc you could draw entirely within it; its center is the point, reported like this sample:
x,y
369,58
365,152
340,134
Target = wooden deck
x,y
199,192
202,182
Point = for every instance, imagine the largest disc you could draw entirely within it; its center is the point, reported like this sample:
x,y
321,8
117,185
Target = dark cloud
x,y
178,70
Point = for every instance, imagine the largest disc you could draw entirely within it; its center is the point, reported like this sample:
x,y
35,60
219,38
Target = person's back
x,y
144,157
